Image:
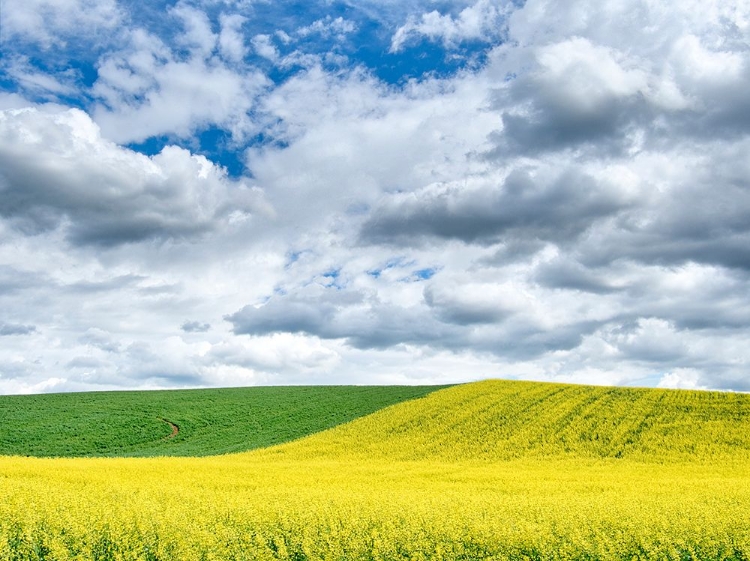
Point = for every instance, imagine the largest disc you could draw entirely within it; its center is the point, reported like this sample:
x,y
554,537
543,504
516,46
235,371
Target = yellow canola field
x,y
455,475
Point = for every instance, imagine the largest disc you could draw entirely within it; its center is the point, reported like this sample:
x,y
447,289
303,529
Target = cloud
x,y
566,273
283,352
685,218
601,77
13,101
587,194
150,88
195,327
264,47
363,320
540,204
472,303
364,141
57,171
197,35
328,27
101,340
231,40
15,329
578,93
492,320
543,190
13,280
482,21
54,22
682,379
39,83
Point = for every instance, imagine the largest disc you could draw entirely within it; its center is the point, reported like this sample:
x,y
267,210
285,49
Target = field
x,y
491,470
140,423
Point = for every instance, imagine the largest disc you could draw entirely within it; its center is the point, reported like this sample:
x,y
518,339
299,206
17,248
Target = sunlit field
x,y
209,421
492,470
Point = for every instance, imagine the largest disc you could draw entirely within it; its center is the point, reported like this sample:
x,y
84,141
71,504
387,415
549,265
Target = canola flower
x,y
465,473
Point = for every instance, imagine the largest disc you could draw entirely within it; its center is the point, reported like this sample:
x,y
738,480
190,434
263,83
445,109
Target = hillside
x,y
504,420
491,420
214,421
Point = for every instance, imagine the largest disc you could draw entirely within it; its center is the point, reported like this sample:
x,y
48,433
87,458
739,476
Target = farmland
x,y
215,421
491,470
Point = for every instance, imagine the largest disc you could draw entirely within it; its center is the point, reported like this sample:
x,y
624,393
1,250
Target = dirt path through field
x,y
175,430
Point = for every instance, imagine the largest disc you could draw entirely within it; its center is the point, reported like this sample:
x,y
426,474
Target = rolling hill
x,y
503,420
213,421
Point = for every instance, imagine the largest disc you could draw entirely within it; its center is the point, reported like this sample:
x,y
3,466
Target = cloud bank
x,y
235,193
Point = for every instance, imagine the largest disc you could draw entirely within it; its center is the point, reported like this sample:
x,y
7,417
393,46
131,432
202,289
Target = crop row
x,y
505,420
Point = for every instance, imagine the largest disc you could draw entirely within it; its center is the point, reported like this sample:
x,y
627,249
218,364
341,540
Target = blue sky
x,y
222,193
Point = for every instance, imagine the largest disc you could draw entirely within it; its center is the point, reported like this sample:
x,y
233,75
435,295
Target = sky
x,y
211,193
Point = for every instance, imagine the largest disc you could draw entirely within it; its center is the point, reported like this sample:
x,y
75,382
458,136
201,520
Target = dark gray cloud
x,y
715,78
330,313
525,341
13,279
537,119
465,312
565,273
195,327
101,340
702,218
122,282
712,301
526,206
550,125
725,379
654,247
572,95
474,321
15,329
513,251
56,170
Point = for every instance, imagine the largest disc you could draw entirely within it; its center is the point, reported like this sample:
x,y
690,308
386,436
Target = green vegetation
x,y
214,421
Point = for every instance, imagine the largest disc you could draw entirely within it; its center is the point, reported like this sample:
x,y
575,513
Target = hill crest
x,y
504,420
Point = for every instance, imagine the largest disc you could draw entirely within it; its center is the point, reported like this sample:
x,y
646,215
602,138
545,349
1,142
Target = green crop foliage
x,y
214,421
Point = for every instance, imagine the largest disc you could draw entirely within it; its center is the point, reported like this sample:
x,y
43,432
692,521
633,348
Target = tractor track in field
x,y
175,430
